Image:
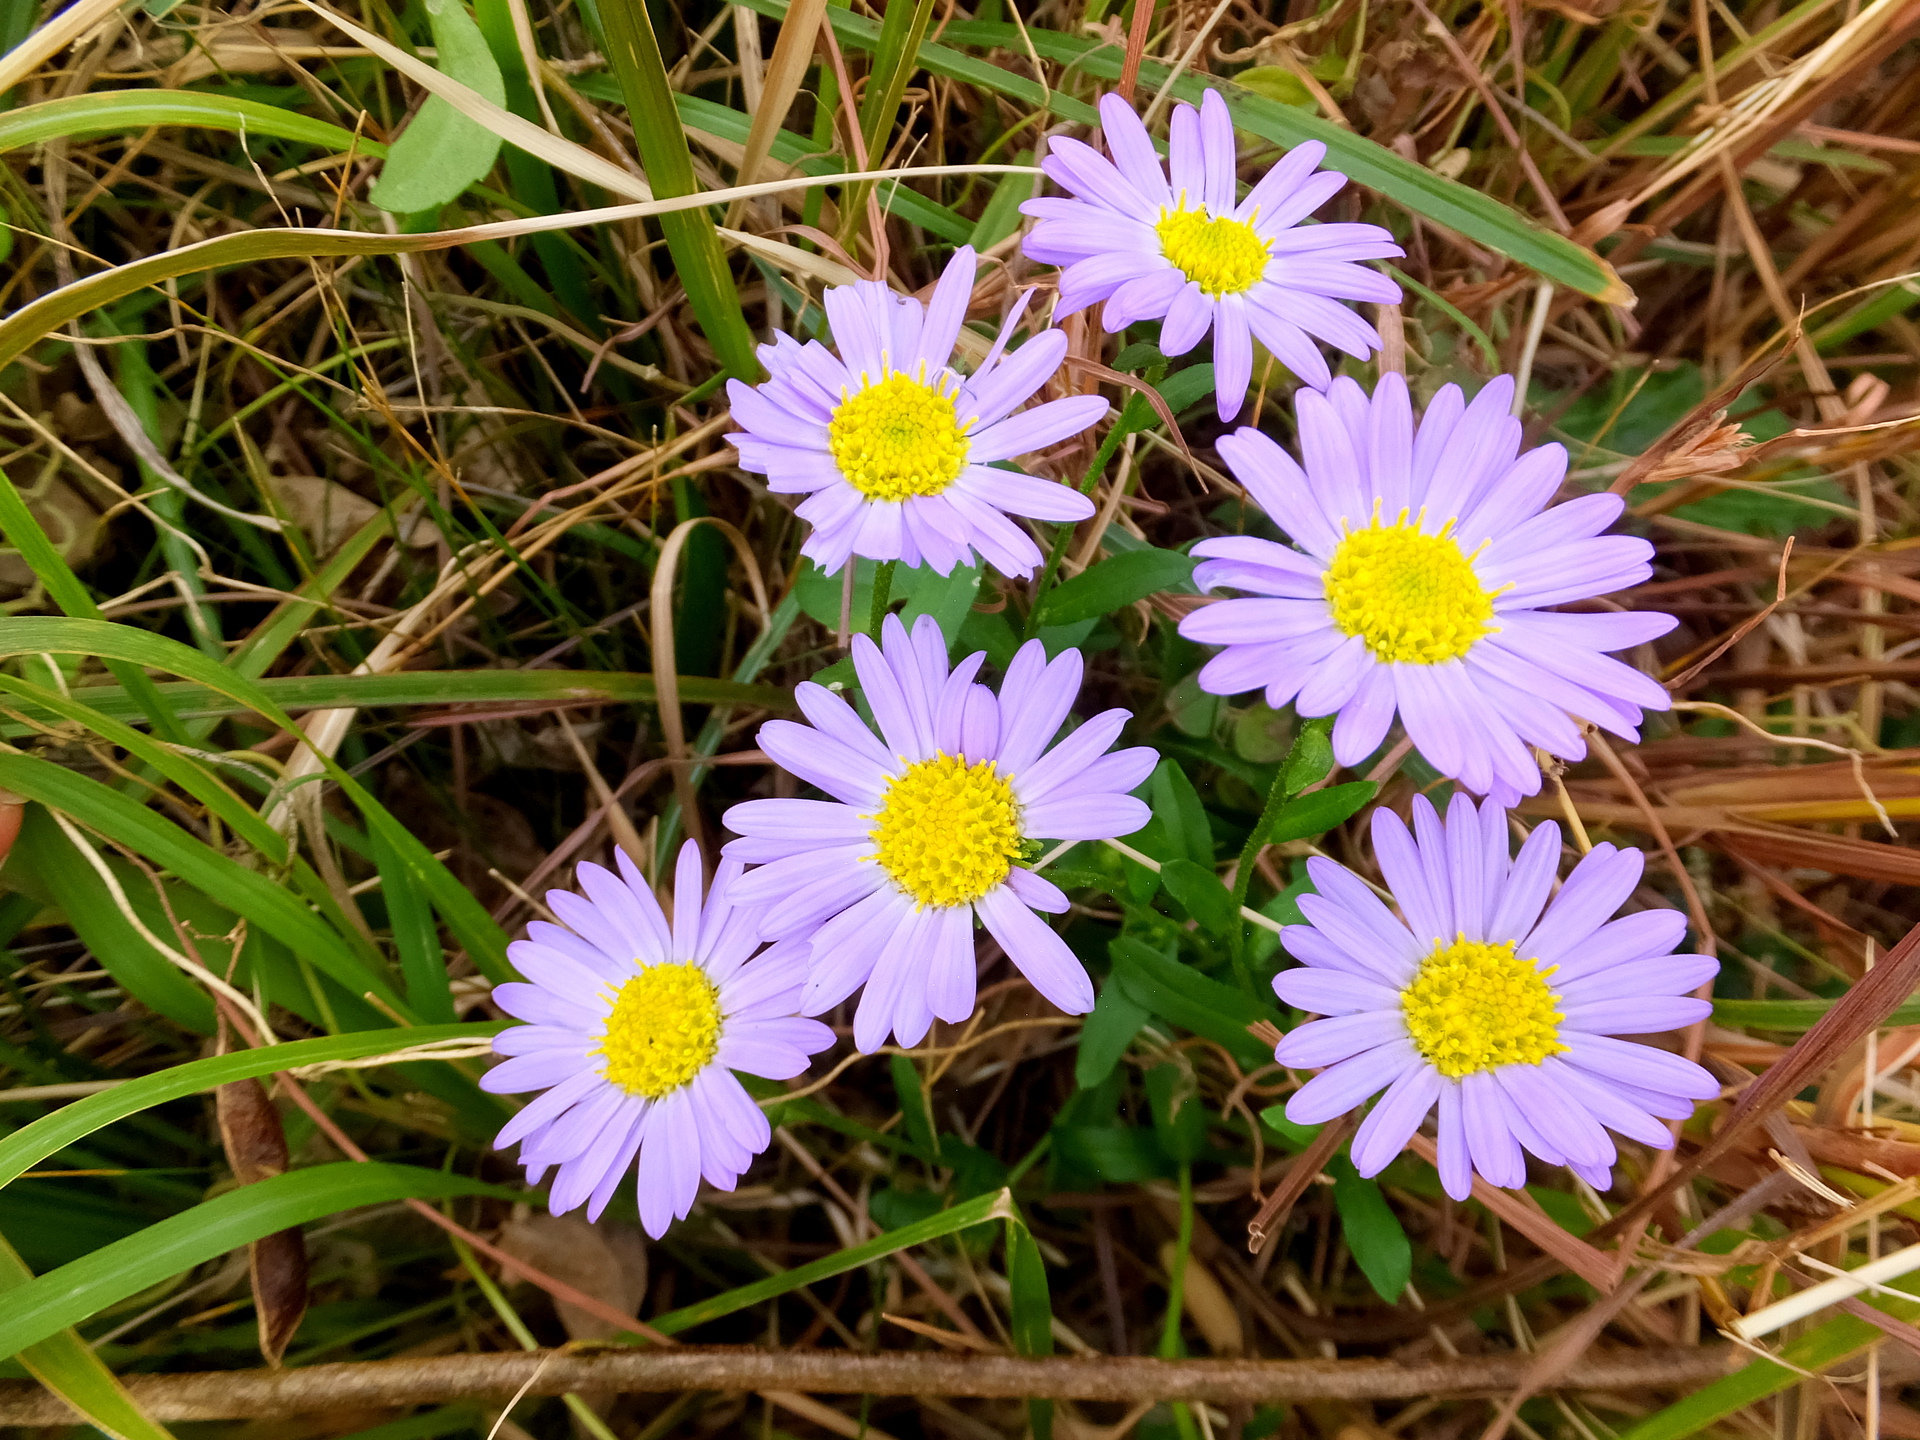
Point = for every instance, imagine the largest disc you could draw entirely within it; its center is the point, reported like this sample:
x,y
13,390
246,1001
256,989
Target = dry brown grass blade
x,y
1569,1250
1690,434
1274,1210
792,55
666,677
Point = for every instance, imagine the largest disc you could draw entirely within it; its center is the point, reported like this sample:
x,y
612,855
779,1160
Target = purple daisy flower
x,y
1428,557
931,824
1474,999
893,448
1180,249
635,1027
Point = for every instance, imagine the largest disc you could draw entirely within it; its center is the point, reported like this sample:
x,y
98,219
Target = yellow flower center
x,y
1223,254
898,437
1476,1006
663,1031
948,831
1411,597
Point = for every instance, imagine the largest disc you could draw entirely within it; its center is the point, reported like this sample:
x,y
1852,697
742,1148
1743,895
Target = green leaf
x,y
442,152
1031,1306
63,1297
1191,1000
981,1211
916,1117
1186,388
1106,1033
1310,759
41,1139
1177,807
107,111
1374,1234
1295,1137
1306,816
1115,583
1201,895
1179,1119
947,598
68,1366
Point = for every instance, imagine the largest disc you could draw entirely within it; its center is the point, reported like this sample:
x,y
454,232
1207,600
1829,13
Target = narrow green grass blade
x,y
197,780
896,55
699,262
1446,202
105,112
60,1298
271,906
66,1365
1821,1348
50,1134
194,701
978,1211
23,532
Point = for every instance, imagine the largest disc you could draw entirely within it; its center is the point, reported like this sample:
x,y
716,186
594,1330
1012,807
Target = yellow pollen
x,y
948,831
663,1031
1412,597
898,437
1476,1006
1223,254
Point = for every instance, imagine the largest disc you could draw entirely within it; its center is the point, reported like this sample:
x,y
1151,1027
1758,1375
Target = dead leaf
x,y
607,1261
256,1146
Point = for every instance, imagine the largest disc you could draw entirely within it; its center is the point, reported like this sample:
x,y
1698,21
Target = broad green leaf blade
x,y
64,1297
50,1134
442,152
1191,1000
1114,583
1105,1035
1201,895
107,111
67,1366
1373,1232
979,1211
1306,816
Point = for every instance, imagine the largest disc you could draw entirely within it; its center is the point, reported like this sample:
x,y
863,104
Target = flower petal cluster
x,y
930,824
1178,246
1428,555
634,1028
1482,998
894,449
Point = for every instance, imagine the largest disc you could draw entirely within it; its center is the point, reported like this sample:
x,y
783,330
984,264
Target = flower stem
x,y
1117,432
882,588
